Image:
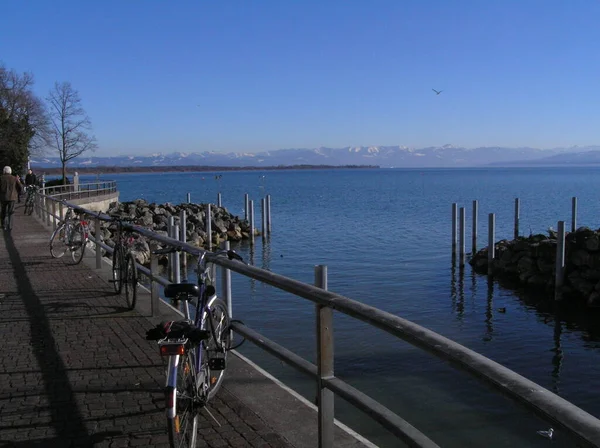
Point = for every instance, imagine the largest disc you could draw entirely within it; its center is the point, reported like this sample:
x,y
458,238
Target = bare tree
x,y
24,125
70,125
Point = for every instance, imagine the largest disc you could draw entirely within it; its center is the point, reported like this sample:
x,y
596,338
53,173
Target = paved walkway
x,y
75,368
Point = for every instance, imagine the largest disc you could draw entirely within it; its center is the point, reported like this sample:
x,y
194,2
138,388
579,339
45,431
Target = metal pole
x,y
47,205
454,217
61,212
176,266
209,226
226,283
462,237
573,214
54,215
154,303
183,238
251,219
491,242
189,198
325,397
246,206
219,200
170,225
474,249
560,260
98,238
269,213
263,215
517,217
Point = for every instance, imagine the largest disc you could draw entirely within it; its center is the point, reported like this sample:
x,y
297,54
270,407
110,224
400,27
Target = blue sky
x,y
252,75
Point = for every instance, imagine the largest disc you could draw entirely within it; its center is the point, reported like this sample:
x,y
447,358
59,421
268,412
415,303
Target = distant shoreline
x,y
163,169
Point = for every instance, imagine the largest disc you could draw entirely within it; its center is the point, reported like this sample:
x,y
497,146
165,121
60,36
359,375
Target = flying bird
x,y
547,434
437,92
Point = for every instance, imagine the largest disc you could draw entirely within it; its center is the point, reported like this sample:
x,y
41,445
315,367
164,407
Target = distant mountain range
x,y
446,156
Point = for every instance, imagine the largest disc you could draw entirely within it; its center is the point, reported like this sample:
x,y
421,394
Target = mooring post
x,y
176,259
246,206
325,364
474,248
491,242
154,304
269,213
462,237
226,282
263,216
560,260
251,219
454,218
218,199
573,214
98,238
517,217
189,198
183,239
209,226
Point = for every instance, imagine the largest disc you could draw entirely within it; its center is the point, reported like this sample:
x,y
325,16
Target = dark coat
x,y
9,187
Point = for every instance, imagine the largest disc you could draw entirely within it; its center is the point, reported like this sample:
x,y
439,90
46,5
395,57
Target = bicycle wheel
x,y
58,245
183,423
131,282
77,242
29,205
215,349
117,269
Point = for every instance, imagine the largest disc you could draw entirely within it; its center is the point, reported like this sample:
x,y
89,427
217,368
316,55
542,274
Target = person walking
x,y
9,193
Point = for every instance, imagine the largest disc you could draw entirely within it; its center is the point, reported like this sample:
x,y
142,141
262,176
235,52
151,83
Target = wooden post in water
x,y
454,218
269,213
560,260
325,365
517,217
263,215
246,206
251,219
573,214
189,198
491,242
209,226
474,248
462,237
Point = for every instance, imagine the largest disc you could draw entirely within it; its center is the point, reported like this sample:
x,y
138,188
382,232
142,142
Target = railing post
x,y
98,238
560,260
183,239
61,211
176,265
54,215
462,237
218,199
269,213
517,217
246,206
226,283
251,219
325,397
171,256
454,218
47,205
573,214
491,242
154,303
209,226
474,248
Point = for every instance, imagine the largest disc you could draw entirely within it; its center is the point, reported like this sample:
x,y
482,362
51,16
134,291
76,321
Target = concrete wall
x,y
97,203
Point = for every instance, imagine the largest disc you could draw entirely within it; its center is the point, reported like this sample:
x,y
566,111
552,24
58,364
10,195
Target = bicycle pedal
x,y
216,363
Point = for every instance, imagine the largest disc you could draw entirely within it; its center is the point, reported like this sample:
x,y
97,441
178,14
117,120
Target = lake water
x,y
385,236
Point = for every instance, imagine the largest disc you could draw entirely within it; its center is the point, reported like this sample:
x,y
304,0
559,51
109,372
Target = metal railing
x,y
80,190
544,403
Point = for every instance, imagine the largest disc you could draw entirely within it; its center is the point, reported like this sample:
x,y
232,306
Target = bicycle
x,y
71,234
196,350
124,269
30,198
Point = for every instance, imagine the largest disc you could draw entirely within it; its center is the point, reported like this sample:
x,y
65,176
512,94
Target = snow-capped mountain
x,y
384,156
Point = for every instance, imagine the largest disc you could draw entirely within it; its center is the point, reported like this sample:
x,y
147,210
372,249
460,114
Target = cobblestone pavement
x,y
75,368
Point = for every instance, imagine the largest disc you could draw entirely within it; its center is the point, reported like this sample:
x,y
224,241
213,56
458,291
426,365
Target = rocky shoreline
x,y
155,217
531,261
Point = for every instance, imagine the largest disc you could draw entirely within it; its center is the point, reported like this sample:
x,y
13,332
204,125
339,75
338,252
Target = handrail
x,y
80,190
543,402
